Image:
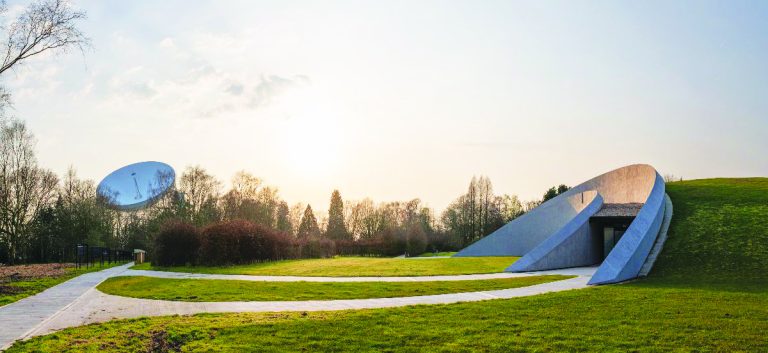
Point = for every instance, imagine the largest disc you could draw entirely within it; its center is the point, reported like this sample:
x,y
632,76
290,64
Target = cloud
x,y
235,89
141,89
180,81
133,82
167,43
201,92
272,86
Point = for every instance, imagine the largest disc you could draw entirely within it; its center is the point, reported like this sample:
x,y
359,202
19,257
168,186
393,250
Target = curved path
x,y
578,271
77,302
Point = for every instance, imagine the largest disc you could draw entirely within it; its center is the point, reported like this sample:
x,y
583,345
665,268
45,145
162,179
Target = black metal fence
x,y
91,255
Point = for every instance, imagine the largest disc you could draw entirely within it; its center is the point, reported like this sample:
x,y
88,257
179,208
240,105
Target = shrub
x,y
268,244
278,245
177,243
393,242
443,241
239,242
415,240
316,248
221,243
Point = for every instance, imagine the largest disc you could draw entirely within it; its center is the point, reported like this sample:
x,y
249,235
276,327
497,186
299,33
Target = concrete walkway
x,y
77,302
579,271
20,318
96,306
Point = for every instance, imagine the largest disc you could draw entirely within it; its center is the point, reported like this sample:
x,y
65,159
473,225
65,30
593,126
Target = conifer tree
x,y
337,230
308,227
284,218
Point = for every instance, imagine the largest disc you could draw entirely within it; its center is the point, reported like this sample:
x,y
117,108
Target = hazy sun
x,y
310,132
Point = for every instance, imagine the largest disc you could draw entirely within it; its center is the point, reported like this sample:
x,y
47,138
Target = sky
x,y
396,100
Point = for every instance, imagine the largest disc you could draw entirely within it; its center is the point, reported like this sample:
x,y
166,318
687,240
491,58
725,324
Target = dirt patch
x,y
160,343
21,272
5,290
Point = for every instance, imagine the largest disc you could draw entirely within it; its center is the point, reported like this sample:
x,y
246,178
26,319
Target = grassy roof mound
x,y
718,234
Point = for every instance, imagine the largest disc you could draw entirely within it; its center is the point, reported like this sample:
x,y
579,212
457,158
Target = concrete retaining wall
x,y
571,246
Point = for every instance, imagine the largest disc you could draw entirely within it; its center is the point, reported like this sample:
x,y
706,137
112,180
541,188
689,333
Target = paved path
x,y
580,271
20,318
77,302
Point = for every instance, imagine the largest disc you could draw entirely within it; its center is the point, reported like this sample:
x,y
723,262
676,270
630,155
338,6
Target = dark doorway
x,y
609,225
611,235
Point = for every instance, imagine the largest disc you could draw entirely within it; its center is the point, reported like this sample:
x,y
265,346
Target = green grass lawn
x,y
640,317
29,287
355,266
707,293
205,290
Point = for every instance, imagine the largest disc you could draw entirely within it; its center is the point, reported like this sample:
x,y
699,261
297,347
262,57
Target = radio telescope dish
x,y
136,185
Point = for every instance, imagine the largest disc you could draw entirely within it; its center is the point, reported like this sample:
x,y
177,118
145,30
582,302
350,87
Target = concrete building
x,y
612,220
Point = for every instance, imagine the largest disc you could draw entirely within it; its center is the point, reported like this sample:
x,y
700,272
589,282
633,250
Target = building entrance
x,y
609,224
611,237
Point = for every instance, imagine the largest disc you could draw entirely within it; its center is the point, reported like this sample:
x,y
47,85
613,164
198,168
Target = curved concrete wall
x,y
564,222
522,234
627,257
571,246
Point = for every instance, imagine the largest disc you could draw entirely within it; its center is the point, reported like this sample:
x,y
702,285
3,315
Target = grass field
x,y
204,290
707,293
355,266
18,290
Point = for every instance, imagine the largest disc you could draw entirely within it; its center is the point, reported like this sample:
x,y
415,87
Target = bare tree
x,y
251,200
479,212
25,189
509,207
46,25
668,178
200,189
295,215
530,205
370,219
81,218
246,185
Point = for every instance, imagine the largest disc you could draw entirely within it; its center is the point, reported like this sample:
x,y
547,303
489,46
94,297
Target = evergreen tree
x,y
336,230
308,227
554,191
550,194
284,218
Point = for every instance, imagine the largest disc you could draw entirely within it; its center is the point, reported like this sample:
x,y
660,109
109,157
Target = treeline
x,y
43,217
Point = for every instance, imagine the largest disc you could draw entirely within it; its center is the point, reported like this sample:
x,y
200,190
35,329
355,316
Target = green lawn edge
x,y
354,267
215,290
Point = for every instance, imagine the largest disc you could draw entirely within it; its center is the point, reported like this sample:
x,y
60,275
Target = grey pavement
x,y
24,316
77,301
96,306
183,275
